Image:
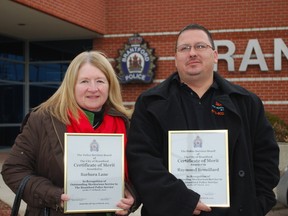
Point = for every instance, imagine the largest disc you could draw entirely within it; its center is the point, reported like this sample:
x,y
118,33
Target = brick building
x,y
251,37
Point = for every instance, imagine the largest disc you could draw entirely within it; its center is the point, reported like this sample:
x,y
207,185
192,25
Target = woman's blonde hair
x,y
63,100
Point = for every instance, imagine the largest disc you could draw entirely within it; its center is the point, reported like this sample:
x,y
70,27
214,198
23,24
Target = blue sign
x,y
136,61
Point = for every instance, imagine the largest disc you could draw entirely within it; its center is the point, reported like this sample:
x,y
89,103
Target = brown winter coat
x,y
38,151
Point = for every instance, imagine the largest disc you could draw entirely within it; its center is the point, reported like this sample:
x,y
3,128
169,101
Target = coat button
x,y
241,173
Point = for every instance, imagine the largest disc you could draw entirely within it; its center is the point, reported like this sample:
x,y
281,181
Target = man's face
x,y
196,60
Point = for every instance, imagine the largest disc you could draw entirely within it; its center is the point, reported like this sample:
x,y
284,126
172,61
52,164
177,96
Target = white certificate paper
x,y
94,172
200,159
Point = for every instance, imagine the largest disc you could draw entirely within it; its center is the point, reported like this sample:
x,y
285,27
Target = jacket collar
x,y
164,88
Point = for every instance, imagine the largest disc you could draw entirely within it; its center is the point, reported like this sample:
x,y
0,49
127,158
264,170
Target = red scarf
x,y
110,124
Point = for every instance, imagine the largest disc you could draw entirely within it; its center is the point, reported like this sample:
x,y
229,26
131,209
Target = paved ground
x,y
8,196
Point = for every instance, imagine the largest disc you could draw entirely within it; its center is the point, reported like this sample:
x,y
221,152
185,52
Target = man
x,y
188,100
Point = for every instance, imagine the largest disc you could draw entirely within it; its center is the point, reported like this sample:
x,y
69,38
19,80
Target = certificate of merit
x,y
200,159
94,172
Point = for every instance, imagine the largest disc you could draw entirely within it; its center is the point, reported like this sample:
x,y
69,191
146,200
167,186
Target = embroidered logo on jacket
x,y
217,109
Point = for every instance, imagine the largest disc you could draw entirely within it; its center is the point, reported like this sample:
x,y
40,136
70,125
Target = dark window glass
x,y
8,135
11,48
47,72
45,79
48,62
40,93
11,71
58,50
11,106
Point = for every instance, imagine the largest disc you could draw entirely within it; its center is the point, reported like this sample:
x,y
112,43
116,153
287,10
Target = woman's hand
x,y
64,197
125,203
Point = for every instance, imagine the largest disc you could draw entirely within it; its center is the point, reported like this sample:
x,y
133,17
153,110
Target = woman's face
x,y
92,88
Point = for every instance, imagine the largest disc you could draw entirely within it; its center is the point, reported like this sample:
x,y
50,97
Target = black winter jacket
x,y
253,152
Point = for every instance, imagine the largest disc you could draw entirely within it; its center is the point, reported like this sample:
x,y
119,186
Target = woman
x,y
88,101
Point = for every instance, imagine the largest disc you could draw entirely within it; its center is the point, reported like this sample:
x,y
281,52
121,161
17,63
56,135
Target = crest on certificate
x,y
94,146
198,142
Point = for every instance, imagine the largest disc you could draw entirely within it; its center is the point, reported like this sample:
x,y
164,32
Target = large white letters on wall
x,y
253,54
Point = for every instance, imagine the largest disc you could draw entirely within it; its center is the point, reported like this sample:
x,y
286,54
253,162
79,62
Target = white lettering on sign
x,y
228,56
279,48
253,54
253,46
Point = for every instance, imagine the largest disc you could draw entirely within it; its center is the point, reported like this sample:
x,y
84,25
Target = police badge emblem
x,y
136,61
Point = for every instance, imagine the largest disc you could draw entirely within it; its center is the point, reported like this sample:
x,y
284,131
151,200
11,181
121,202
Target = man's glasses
x,y
185,48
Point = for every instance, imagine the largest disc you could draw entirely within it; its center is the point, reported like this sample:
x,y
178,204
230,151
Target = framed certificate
x,y
200,159
94,172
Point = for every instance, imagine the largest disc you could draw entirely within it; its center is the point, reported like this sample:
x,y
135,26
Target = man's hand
x,y
201,207
125,204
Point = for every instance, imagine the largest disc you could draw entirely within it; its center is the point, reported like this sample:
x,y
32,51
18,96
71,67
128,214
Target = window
x,y
48,62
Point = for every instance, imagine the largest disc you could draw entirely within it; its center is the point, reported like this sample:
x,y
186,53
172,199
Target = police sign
x,y
136,61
